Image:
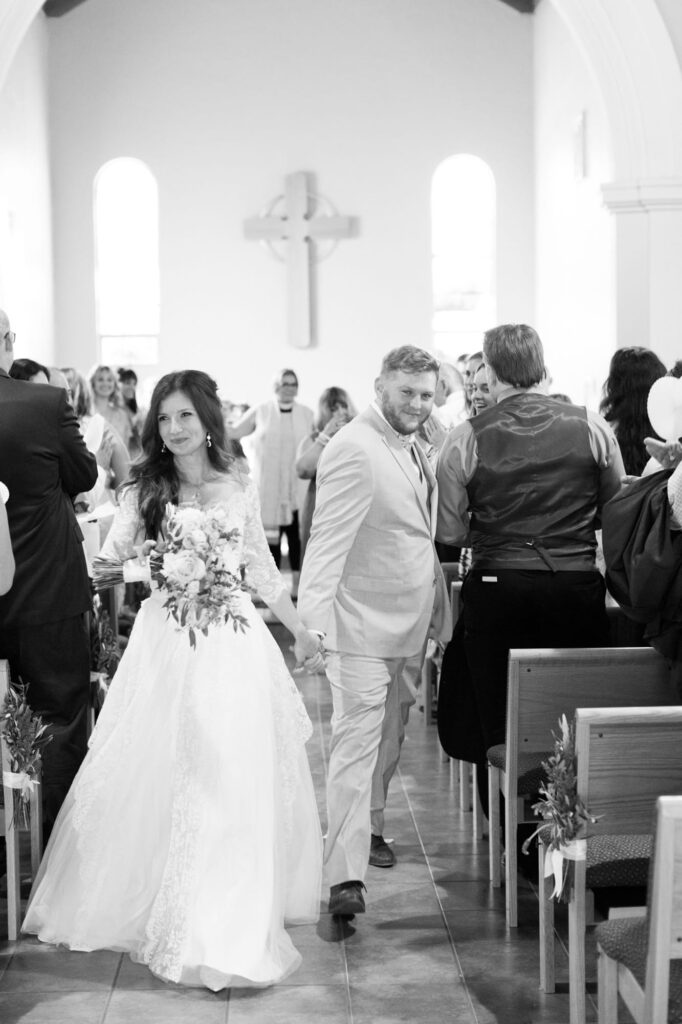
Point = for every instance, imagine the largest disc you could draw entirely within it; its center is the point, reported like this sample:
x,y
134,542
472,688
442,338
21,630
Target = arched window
x,y
126,218
463,223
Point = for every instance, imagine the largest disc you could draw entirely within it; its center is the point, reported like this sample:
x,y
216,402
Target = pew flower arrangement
x,y
24,736
196,567
562,810
105,654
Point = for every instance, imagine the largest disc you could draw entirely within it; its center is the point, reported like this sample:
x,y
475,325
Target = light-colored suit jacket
x,y
371,580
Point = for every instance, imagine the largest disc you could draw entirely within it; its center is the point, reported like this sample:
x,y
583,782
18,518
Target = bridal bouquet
x,y
24,736
197,567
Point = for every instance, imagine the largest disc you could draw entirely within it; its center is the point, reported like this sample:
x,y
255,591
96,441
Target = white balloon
x,y
664,406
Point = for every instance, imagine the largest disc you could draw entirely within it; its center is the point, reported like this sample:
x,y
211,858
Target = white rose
x,y
188,519
182,567
198,538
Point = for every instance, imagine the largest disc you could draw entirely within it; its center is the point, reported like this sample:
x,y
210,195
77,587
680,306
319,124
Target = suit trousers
x,y
371,699
54,660
507,608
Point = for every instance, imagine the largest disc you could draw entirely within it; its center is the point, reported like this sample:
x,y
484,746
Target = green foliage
x,y
24,733
560,805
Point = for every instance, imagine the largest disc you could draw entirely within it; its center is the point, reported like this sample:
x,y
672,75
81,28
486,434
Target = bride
x,y
191,833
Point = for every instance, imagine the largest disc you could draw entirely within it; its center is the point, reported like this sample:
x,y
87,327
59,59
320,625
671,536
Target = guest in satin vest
x,y
43,618
522,483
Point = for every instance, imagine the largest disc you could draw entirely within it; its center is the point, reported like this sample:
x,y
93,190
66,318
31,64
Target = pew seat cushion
x,y
626,940
531,772
613,861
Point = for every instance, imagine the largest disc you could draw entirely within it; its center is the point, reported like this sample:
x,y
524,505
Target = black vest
x,y
533,497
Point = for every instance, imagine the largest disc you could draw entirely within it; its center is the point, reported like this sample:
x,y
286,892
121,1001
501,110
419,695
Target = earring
x,y
163,448
209,443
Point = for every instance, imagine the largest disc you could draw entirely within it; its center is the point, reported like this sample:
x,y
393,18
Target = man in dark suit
x,y
43,618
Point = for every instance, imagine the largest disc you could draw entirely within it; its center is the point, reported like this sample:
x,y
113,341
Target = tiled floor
x,y
432,948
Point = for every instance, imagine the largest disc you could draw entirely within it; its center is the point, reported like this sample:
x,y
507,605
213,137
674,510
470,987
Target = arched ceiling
x,y
55,8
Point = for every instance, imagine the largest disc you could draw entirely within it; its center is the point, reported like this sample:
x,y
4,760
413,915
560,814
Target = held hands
x,y
309,651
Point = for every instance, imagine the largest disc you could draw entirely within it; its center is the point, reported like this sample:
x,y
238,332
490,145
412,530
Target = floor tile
x,y
309,1004
389,1002
31,1007
171,1005
56,970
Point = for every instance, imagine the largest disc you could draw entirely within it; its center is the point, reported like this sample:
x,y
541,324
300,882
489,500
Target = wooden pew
x,y
650,948
626,758
543,684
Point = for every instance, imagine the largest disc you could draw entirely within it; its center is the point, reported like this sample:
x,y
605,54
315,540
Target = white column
x,y
649,264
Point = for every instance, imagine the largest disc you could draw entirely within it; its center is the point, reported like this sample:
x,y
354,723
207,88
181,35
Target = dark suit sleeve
x,y
77,466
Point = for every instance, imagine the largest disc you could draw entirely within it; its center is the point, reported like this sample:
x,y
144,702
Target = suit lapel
x,y
401,456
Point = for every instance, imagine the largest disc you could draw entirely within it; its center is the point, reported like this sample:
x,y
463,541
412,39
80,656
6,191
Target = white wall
x,y
25,219
575,233
370,95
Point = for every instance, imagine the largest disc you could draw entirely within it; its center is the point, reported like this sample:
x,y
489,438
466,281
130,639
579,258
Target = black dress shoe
x,y
346,899
380,853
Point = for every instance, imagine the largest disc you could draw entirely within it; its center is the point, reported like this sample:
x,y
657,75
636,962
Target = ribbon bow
x,y
554,862
22,781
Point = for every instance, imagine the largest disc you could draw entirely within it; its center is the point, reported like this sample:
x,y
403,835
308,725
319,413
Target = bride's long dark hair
x,y
154,472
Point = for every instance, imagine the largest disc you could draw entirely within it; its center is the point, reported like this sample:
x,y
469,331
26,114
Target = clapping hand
x,y
433,432
338,420
668,453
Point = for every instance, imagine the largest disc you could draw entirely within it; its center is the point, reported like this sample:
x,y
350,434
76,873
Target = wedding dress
x,y
191,833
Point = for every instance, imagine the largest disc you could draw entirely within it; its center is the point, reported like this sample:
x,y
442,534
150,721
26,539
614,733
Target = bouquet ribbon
x,y
136,571
554,862
20,780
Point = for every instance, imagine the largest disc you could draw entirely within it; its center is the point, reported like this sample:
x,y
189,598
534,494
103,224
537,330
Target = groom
x,y
371,586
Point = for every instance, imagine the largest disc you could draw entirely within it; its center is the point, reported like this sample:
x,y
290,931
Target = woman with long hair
x,y
102,440
191,833
624,403
107,400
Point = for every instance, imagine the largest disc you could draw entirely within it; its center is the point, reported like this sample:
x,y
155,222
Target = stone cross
x,y
297,226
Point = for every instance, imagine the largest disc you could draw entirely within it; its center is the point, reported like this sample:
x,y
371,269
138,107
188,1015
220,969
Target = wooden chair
x,y
626,759
543,684
11,829
640,959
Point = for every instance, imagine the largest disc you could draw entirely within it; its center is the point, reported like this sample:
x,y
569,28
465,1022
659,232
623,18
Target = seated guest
x,y
6,553
524,484
334,410
28,369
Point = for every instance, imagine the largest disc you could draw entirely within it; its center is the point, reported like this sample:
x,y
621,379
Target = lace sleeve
x,y
126,530
262,574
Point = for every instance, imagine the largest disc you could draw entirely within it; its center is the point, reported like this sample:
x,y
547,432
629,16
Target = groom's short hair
x,y
409,359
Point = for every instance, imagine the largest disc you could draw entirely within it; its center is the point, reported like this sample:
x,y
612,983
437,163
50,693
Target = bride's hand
x,y
308,651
